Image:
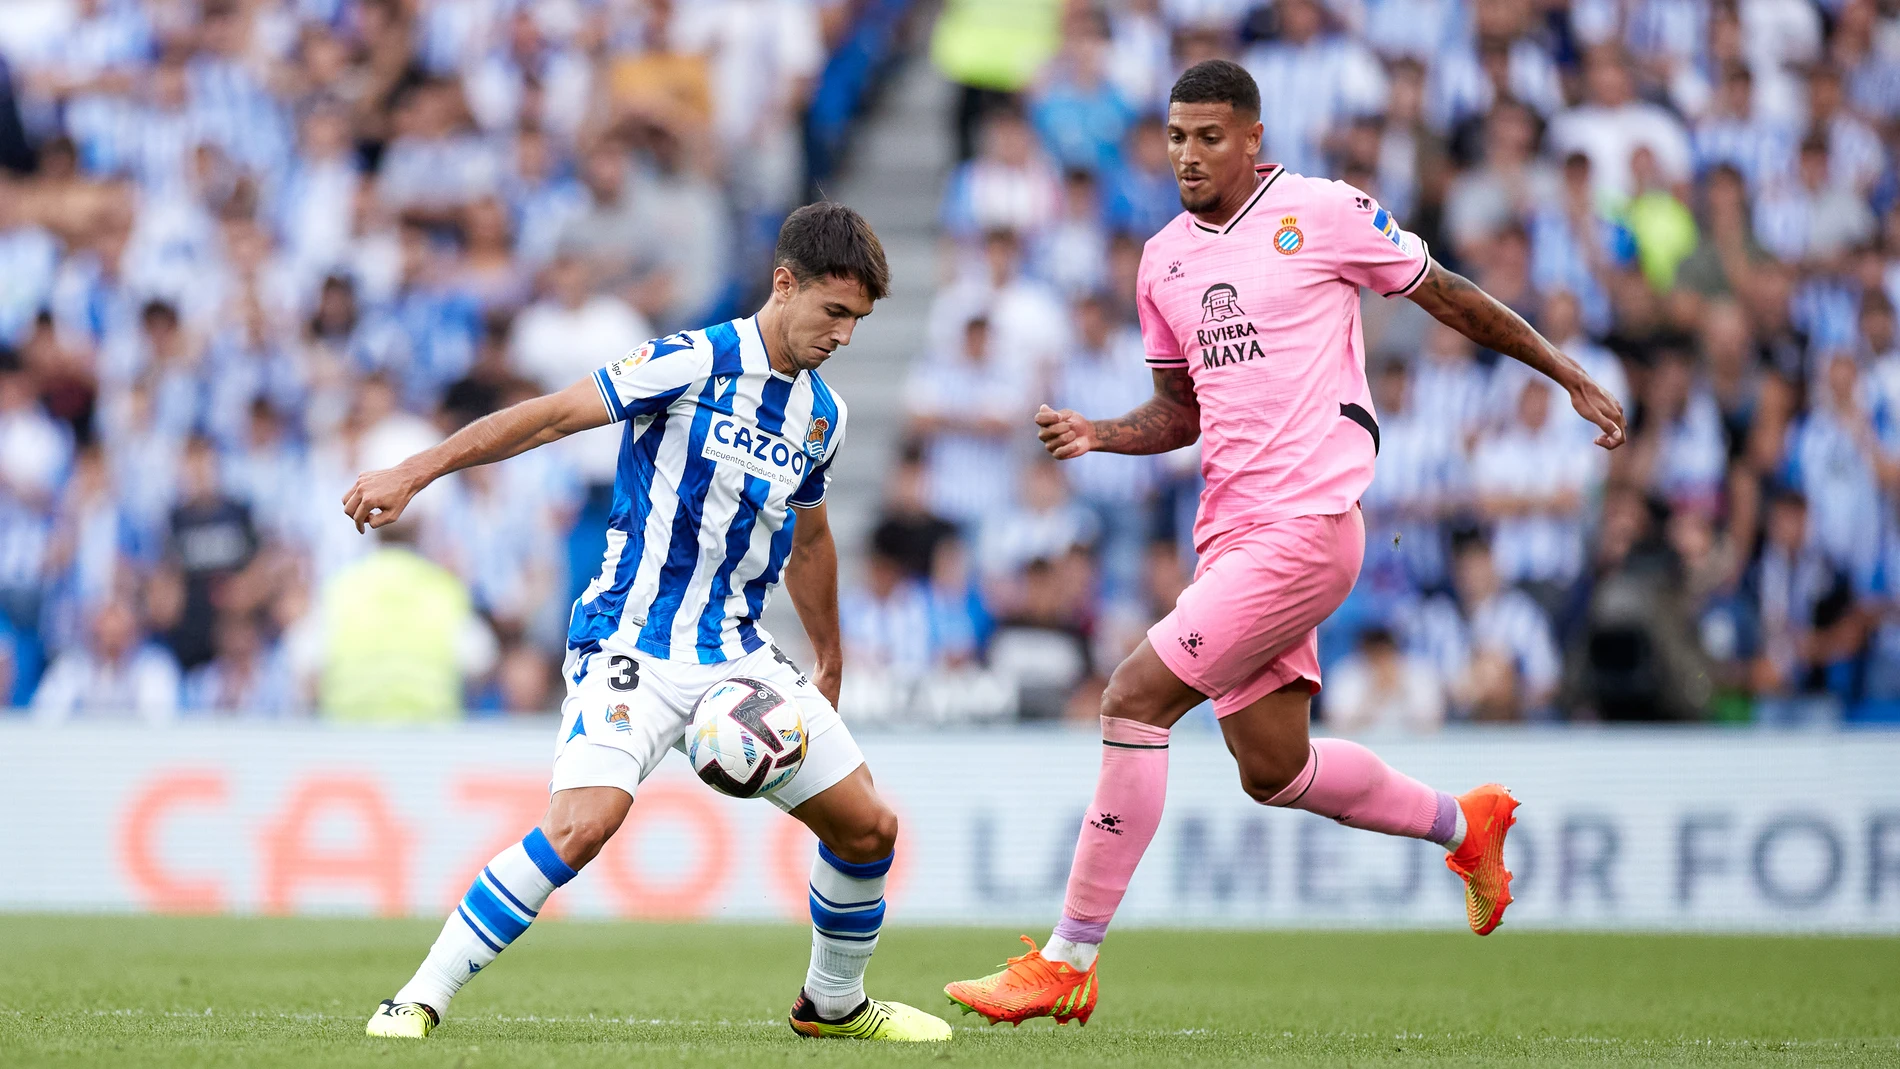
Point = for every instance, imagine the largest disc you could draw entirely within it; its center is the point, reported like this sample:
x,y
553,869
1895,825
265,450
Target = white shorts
x,y
625,709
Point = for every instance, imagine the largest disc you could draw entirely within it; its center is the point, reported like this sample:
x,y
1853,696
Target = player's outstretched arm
x,y
811,575
1165,422
378,497
1457,302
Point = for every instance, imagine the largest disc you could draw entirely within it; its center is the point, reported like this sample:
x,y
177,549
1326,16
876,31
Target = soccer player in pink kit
x,y
1249,305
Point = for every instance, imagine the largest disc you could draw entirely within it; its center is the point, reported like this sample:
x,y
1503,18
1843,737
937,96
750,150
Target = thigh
x,y
618,720
1259,597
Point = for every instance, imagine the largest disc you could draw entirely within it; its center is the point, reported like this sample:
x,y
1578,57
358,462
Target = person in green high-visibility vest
x,y
399,635
992,49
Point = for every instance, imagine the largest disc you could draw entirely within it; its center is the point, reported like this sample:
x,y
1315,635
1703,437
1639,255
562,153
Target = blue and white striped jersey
x,y
717,451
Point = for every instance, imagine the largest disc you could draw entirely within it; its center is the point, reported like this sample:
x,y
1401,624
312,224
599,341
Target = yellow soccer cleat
x,y
1029,986
402,1020
892,1022
1489,814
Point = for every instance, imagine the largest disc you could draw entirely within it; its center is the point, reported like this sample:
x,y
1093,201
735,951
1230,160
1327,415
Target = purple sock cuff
x,y
1075,931
1446,822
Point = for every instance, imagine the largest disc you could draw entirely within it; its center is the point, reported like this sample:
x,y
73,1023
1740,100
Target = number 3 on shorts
x,y
626,672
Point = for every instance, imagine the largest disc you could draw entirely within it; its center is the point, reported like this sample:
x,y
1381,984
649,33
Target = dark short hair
x,y
827,238
1217,81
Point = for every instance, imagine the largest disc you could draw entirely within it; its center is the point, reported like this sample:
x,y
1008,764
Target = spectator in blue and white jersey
x,y
1421,483
542,198
1108,372
436,164
1077,111
35,449
313,206
1732,132
1140,195
1470,80
231,105
120,674
1805,617
1576,247
1010,185
521,55
1531,481
1028,327
1071,253
250,676
1611,124
29,263
1317,80
1491,643
967,408
1809,217
1681,446
887,620
1856,158
1421,29
1045,523
1831,453
1448,382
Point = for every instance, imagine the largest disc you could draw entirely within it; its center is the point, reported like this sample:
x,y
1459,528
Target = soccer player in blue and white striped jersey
x,y
720,495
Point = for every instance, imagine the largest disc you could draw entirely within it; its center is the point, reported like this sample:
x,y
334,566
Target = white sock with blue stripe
x,y
847,911
501,903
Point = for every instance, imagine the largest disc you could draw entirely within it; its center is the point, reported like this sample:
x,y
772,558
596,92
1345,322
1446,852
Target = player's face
x,y
819,316
1212,149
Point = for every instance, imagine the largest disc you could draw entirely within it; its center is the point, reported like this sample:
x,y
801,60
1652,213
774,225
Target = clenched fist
x,y
1064,434
378,497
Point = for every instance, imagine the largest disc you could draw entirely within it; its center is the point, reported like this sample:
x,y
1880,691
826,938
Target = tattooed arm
x,y
1454,301
1167,421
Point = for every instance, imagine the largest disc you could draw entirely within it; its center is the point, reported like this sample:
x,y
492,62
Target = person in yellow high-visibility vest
x,y
992,49
398,636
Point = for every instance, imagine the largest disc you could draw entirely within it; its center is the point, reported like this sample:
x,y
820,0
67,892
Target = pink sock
x,y
1118,826
1347,782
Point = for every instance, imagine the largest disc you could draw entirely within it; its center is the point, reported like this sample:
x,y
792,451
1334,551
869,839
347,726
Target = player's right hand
x,y
1064,434
378,497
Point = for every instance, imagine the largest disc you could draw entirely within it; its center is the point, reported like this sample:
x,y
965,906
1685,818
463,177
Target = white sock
x,y
847,911
498,907
1079,956
1458,834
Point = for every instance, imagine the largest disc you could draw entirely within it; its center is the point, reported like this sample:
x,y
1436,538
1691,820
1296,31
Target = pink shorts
x,y
1246,626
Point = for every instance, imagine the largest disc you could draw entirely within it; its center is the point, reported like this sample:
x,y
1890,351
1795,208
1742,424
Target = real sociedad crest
x,y
815,437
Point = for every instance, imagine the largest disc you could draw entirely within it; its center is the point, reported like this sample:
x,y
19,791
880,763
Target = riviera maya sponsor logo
x,y
1288,239
1220,303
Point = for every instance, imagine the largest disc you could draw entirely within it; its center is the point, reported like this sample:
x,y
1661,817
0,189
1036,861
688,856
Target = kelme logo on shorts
x,y
756,452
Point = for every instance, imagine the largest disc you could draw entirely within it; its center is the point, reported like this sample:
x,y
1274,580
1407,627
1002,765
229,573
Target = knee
x,y
872,839
1264,775
1125,699
578,835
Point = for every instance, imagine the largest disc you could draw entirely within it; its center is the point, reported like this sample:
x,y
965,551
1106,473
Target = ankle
x,y
1077,956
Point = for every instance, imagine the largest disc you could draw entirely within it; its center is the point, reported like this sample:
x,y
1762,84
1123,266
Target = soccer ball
x,y
747,739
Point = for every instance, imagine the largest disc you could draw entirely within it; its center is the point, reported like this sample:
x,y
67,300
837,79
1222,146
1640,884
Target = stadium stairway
x,y
896,175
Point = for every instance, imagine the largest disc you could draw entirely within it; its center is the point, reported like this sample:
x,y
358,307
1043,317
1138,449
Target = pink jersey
x,y
1264,314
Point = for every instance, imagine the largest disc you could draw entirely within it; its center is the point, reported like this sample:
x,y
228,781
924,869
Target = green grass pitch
x,y
162,992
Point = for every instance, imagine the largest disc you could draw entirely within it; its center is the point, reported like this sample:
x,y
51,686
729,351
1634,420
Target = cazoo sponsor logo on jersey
x,y
755,452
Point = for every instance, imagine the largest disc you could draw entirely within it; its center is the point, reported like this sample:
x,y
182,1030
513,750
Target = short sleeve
x,y
648,379
1374,250
811,489
1157,338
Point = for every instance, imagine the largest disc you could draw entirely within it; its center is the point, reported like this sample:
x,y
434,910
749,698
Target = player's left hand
x,y
829,679
378,497
1595,404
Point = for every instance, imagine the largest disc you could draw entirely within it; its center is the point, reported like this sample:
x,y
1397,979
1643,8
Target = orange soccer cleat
x,y
1480,858
1029,986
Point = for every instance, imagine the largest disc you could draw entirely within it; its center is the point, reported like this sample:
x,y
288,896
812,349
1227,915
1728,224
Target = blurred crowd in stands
x,y
249,248
1696,198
